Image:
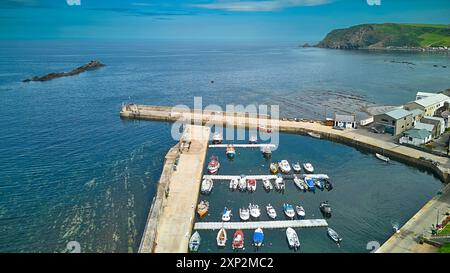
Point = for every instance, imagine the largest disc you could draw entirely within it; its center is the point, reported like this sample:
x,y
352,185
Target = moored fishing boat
x,y
194,242
258,237
319,184
207,186
213,165
334,236
267,151
382,157
234,184
253,139
292,238
308,167
279,183
202,208
264,129
314,135
284,166
328,185
267,184
226,215
221,237
231,152
300,212
271,212
299,183
255,212
244,214
274,168
310,183
217,138
289,210
251,185
325,208
297,167
238,240
242,183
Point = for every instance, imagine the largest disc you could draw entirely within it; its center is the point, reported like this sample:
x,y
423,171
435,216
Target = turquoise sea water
x,y
72,170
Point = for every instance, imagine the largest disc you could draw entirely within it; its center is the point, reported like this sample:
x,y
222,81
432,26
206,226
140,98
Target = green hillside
x,y
388,35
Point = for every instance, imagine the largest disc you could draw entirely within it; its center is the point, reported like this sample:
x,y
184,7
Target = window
x,y
393,122
385,120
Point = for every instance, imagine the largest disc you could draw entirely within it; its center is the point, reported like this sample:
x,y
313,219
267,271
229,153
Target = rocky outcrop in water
x,y
89,66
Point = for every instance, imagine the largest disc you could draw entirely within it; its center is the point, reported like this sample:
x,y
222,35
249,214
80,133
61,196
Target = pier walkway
x,y
242,145
310,223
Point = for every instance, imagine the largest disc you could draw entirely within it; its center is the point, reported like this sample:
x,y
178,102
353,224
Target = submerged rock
x,y
89,66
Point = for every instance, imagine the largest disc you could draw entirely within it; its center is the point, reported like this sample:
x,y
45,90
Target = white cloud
x,y
264,5
73,2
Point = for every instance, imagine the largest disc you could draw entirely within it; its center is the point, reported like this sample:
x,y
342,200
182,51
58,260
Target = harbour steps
x,y
242,145
309,223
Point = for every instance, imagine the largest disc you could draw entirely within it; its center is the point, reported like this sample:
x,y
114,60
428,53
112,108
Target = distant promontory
x,y
390,36
89,66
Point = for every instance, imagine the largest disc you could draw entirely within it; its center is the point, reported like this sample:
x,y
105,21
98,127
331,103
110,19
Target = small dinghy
x,y
279,183
266,151
253,139
255,212
267,184
231,152
264,129
328,185
271,212
258,237
202,208
207,186
244,214
251,185
221,237
194,242
297,167
300,212
319,184
310,183
334,236
234,184
308,168
213,165
238,240
382,158
292,238
226,215
284,166
274,168
325,208
289,210
217,138
299,183
314,135
242,183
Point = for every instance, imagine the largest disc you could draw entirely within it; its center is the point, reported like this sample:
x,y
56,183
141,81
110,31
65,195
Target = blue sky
x,y
277,20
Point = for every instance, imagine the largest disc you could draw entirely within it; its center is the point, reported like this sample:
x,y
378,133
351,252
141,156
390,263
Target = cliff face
x,y
387,35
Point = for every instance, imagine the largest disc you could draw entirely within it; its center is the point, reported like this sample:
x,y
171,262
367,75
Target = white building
x,y
416,137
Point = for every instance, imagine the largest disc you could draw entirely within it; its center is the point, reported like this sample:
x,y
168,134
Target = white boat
x,y
230,152
251,185
213,165
271,212
299,183
292,238
226,215
221,237
267,184
274,168
242,183
217,138
289,210
207,186
300,212
234,184
334,236
264,129
314,135
253,139
297,167
279,183
284,166
244,214
382,157
255,212
194,242
267,151
308,167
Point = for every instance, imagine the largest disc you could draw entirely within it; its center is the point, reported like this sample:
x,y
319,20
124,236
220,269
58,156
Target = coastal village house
x,y
416,137
426,126
430,105
345,121
437,122
395,122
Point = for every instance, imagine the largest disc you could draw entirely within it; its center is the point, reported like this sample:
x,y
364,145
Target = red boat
x,y
251,185
264,129
213,165
238,240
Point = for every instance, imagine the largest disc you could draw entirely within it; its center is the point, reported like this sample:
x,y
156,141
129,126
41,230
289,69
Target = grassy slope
x,y
445,249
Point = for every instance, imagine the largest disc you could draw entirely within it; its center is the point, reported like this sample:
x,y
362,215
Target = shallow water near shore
x,y
72,170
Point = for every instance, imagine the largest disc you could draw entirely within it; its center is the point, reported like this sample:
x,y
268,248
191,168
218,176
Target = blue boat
x,y
310,183
258,237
